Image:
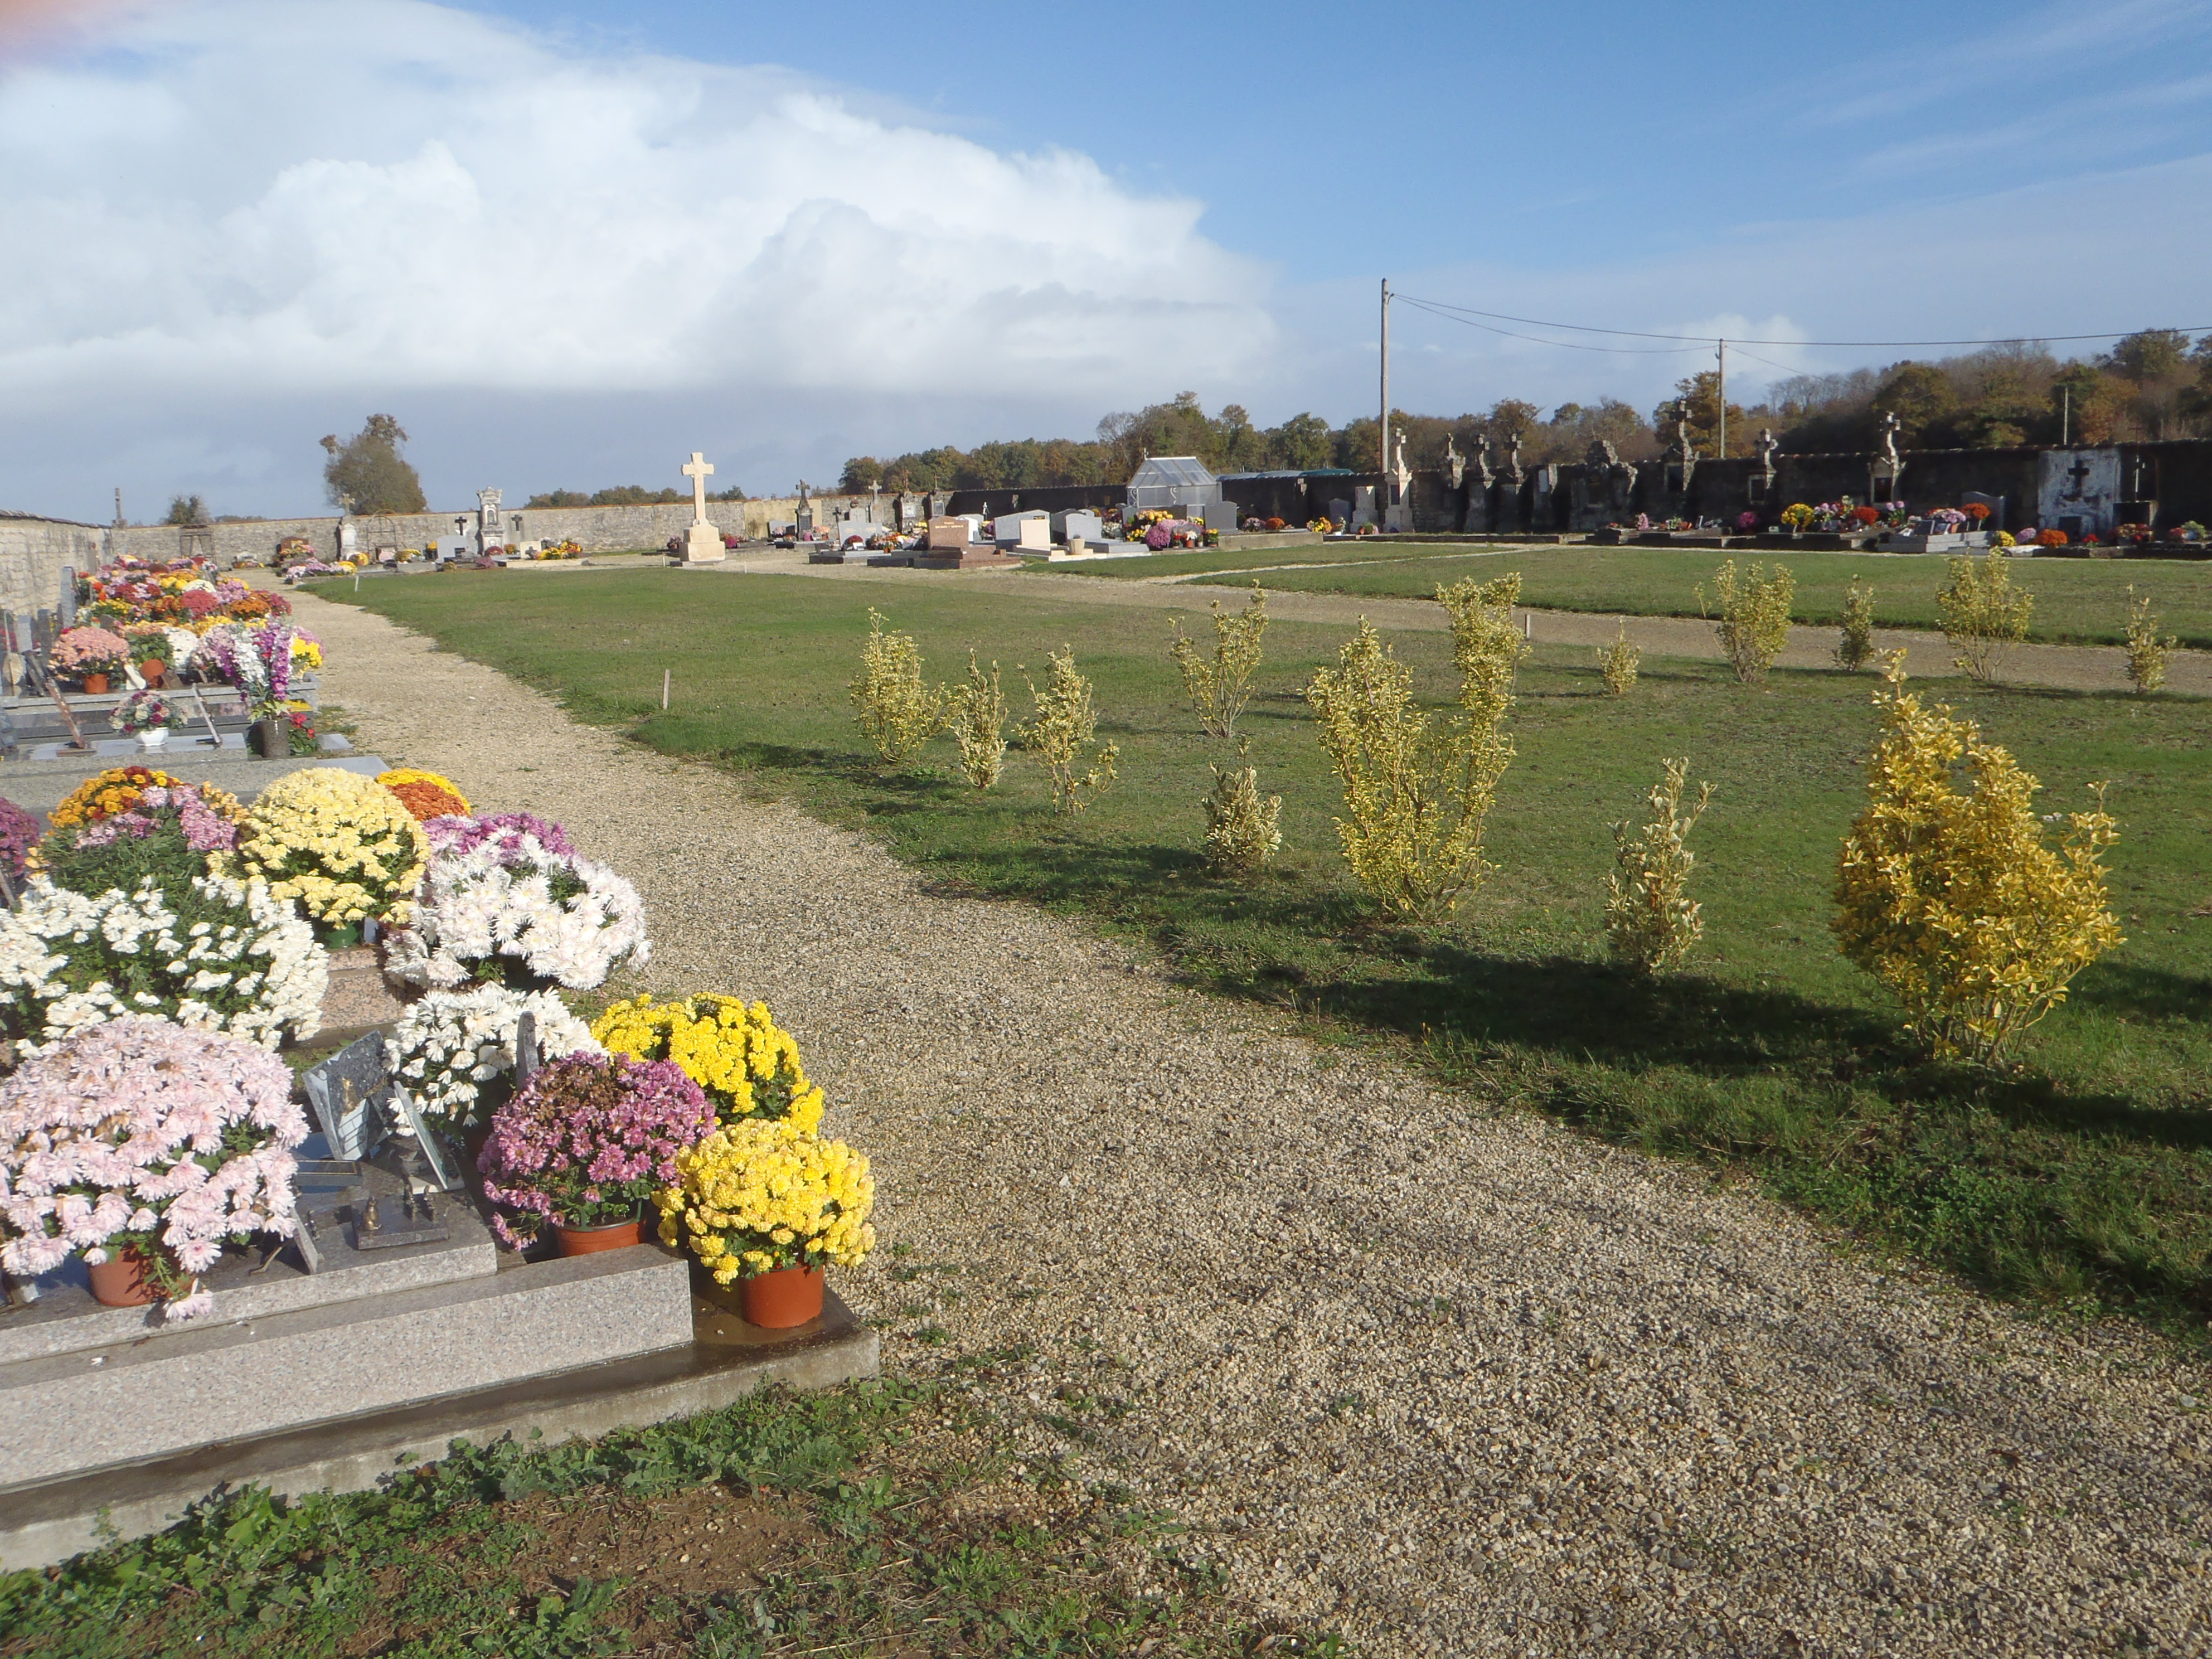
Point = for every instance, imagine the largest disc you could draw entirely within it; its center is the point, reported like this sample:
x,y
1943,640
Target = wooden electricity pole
x,y
1382,464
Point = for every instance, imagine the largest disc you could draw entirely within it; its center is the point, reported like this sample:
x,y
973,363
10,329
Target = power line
x,y
1442,308
1564,345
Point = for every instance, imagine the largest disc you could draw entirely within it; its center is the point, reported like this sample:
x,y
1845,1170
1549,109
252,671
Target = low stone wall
x,y
32,553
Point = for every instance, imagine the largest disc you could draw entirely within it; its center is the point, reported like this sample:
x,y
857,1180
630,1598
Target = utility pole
x,y
2066,417
1724,346
1384,463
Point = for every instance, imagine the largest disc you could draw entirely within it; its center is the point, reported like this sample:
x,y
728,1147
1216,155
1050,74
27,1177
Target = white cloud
x,y
285,197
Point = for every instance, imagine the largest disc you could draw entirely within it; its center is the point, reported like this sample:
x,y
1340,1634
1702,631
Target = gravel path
x,y
1446,1378
2068,667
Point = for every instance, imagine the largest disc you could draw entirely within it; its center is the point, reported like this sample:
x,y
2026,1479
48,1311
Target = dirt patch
x,y
700,1542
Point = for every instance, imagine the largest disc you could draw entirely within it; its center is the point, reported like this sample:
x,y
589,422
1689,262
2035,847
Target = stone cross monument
x,y
490,533
703,542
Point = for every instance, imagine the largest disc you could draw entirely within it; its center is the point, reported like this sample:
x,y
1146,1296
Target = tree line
x,y
2153,384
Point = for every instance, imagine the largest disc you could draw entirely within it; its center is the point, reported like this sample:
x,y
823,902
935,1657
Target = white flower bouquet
x,y
212,954
139,1137
507,898
456,1049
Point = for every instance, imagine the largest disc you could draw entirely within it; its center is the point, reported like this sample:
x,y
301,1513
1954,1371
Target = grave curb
x,y
49,1523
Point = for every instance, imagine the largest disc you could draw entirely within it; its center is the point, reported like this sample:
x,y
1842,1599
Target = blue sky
x,y
568,244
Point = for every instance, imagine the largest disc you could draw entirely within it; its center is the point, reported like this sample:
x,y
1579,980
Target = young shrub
x,y
1951,897
1063,727
1487,647
1755,617
1617,663
1855,650
978,719
1242,830
1416,791
1651,920
2146,653
896,712
1220,690
1981,614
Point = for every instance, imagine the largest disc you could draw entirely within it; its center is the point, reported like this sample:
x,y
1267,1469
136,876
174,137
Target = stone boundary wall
x,y
33,552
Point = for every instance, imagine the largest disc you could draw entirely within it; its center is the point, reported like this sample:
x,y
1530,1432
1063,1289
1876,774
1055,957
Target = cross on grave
x,y
698,471
2079,472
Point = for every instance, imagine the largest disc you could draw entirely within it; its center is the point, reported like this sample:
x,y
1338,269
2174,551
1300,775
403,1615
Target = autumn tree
x,y
366,474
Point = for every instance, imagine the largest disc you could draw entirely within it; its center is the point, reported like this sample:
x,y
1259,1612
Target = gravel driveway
x,y
1446,1378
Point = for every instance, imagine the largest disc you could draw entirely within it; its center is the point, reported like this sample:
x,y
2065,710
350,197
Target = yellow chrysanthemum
x,y
339,843
747,1064
760,1194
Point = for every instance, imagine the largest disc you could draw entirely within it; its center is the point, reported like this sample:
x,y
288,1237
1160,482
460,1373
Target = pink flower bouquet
x,y
587,1140
138,1134
81,651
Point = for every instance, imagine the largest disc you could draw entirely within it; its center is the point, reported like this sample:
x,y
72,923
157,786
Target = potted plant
x,y
455,1051
339,844
762,1204
583,1144
144,716
746,1063
88,656
143,1146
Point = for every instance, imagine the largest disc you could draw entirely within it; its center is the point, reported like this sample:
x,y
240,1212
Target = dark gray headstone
x,y
66,611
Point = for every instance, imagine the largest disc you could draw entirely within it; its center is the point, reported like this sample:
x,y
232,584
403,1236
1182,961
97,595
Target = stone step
x,y
76,1412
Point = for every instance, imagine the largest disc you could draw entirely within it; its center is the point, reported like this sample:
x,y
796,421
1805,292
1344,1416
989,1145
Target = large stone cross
x,y
698,472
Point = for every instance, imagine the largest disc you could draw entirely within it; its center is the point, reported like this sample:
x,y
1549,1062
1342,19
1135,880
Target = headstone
x,y
1007,529
1995,504
1362,505
65,610
910,515
348,538
490,533
1078,527
350,1093
703,542
948,535
2077,491
1340,511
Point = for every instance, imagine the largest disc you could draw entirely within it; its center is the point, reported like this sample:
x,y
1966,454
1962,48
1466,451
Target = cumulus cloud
x,y
280,197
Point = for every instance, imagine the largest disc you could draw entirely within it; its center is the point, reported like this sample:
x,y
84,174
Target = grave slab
x,y
39,786
48,1522
73,1413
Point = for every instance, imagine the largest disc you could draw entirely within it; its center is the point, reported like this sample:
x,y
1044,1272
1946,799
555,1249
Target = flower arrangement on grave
x,y
1798,515
138,1139
257,660
456,1049
1747,520
2003,538
169,832
206,952
301,740
503,900
142,711
427,795
307,650
116,790
1977,510
760,1195
337,843
19,835
2135,535
748,1065
306,569
82,652
1324,525
1947,520
1867,515
588,1141
2051,539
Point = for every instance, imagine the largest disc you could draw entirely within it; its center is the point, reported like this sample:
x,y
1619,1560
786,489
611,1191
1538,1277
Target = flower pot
x,y
271,738
585,1241
151,672
777,1301
95,684
154,737
120,1281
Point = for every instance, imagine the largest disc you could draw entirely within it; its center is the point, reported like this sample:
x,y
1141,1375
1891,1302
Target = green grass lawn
x,y
2077,601
780,1525
1205,561
2088,1173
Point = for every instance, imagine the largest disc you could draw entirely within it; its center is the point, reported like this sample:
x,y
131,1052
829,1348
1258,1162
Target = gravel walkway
x,y
1449,1380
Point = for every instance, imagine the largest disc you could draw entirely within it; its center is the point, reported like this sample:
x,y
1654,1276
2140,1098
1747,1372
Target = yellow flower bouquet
x,y
747,1064
758,1196
340,844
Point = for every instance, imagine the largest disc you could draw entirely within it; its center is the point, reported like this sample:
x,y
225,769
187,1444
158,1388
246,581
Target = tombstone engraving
x,y
947,534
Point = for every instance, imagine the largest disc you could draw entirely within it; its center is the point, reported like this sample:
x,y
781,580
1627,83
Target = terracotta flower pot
x,y
95,684
120,1281
151,672
585,1241
777,1301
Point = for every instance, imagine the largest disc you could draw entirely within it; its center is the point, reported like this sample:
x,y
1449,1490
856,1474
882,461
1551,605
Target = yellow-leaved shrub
x,y
1617,663
1243,828
978,719
1952,897
1650,920
1982,615
896,712
1219,689
1753,624
1062,728
2146,652
1855,649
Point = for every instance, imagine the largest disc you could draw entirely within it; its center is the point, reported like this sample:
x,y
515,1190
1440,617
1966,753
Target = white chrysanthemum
x,y
492,902
451,1043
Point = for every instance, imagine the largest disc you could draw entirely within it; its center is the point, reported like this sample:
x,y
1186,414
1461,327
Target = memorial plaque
x,y
351,1094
